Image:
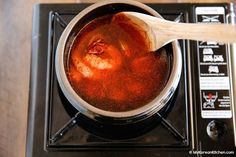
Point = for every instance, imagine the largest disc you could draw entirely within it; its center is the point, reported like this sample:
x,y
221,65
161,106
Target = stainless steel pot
x,y
61,64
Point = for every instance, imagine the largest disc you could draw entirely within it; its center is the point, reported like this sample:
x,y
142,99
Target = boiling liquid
x,y
112,68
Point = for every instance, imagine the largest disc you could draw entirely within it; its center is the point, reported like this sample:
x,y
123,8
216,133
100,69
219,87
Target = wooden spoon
x,y
162,32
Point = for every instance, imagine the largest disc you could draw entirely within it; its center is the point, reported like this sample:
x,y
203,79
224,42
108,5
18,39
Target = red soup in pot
x,y
112,68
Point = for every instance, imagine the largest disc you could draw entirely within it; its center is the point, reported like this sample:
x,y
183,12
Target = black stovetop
x,y
57,129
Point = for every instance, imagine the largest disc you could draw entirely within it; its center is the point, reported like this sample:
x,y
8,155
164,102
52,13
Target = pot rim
x,y
91,111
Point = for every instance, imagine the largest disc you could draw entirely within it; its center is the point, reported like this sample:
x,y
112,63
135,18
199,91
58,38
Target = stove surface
x,y
57,129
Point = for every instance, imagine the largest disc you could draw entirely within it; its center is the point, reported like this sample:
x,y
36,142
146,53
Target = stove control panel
x,y
214,107
213,69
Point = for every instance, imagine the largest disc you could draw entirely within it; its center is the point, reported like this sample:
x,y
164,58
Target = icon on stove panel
x,y
213,69
211,58
208,58
218,58
210,100
211,43
210,18
208,51
202,42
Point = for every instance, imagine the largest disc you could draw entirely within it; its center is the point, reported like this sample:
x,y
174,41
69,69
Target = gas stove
x,y
197,121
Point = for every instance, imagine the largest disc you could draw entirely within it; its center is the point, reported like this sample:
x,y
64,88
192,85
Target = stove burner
x,y
111,131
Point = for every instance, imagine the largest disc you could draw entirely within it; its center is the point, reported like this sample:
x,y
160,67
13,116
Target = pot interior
x,y
98,12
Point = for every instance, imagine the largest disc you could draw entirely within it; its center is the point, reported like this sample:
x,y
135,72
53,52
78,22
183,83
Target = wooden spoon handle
x,y
161,31
204,32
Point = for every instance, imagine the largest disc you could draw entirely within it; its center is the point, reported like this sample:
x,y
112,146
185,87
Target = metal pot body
x,y
62,56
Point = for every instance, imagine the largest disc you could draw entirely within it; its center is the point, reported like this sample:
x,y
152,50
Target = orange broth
x,y
112,68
